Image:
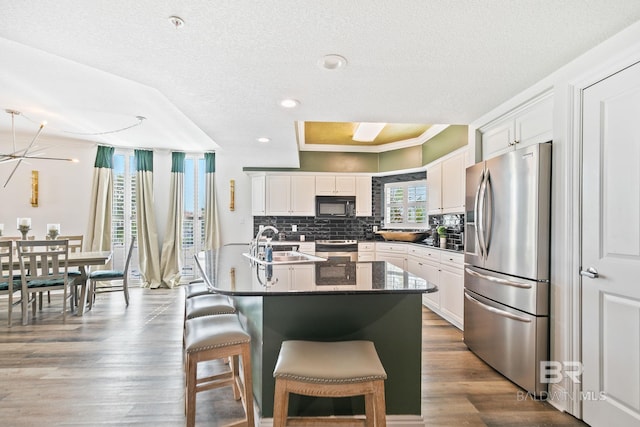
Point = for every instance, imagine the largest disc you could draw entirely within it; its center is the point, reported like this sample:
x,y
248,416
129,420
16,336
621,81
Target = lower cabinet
x,y
393,253
445,270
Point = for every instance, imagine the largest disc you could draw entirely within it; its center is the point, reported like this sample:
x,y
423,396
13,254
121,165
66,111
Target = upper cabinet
x,y
363,196
292,195
445,183
531,124
258,200
335,185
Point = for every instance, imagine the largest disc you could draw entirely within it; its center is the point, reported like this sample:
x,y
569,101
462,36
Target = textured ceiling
x,y
215,83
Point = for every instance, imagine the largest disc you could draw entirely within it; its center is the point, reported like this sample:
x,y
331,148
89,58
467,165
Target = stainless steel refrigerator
x,y
506,279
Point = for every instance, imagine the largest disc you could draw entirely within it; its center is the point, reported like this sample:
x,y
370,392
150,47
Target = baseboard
x,y
392,420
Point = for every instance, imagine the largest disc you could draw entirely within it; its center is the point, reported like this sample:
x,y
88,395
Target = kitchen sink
x,y
285,257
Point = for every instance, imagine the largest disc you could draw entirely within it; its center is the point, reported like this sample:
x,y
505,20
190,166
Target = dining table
x,y
83,260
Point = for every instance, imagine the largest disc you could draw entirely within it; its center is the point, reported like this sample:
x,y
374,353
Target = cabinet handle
x,y
516,142
511,144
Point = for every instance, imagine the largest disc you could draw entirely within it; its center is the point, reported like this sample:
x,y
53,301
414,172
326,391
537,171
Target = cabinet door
x,y
303,277
303,190
453,182
345,185
366,256
258,201
452,293
280,279
278,195
325,185
431,273
434,188
364,275
535,125
363,196
396,259
498,139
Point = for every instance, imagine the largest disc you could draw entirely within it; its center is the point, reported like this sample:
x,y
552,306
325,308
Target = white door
x,y
611,251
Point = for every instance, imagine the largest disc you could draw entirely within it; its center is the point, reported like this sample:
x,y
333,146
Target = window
x,y
405,204
123,222
193,220
123,212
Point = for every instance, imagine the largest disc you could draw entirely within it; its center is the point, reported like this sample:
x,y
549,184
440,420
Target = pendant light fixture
x,y
19,155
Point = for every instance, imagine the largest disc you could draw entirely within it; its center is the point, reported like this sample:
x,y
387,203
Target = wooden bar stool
x,y
218,337
329,369
205,305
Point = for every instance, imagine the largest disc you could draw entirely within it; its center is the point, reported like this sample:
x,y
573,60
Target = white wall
x,y
621,50
235,226
64,188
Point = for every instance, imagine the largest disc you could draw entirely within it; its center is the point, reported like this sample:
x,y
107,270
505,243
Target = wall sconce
x,y
232,195
34,189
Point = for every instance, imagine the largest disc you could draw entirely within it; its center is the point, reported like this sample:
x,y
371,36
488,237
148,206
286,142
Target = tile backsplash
x,y
455,229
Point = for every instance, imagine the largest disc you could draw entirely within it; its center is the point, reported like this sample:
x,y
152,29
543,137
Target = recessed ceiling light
x,y
263,139
289,103
332,61
176,21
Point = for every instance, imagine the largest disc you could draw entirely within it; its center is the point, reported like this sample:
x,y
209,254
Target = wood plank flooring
x,y
123,367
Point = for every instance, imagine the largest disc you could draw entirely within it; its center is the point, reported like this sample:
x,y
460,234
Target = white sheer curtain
x,y
172,245
211,226
98,236
148,252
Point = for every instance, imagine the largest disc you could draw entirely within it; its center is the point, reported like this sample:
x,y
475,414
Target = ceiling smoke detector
x,y
176,21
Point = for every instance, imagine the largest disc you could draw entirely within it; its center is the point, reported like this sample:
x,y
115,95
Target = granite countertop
x,y
228,272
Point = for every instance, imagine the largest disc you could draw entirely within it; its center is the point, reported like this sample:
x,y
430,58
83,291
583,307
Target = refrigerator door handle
x,y
488,220
477,217
480,221
498,279
497,311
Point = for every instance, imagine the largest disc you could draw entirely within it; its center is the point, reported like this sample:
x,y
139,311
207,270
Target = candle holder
x,y
53,234
1,229
24,229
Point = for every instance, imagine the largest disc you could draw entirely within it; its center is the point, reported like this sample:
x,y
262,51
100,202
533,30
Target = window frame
x,y
405,205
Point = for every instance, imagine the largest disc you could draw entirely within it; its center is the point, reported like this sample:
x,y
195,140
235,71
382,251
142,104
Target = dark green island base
x,y
388,312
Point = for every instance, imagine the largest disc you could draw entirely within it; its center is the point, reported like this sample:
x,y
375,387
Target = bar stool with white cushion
x,y
218,337
329,369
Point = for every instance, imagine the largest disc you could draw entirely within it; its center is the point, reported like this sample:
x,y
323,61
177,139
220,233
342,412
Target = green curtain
x,y
98,236
172,245
211,226
148,252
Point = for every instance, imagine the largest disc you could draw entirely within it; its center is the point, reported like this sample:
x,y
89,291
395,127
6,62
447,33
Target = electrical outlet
x,y
294,228
375,228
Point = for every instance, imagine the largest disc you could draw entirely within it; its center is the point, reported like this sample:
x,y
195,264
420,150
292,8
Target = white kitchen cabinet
x,y
290,195
451,283
335,185
363,196
445,270
294,277
394,253
434,188
530,124
446,184
258,200
453,183
366,251
364,276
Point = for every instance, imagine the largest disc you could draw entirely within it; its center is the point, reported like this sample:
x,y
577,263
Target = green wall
x,y
450,139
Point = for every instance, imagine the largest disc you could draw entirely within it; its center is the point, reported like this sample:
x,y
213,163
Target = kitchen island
x,y
326,301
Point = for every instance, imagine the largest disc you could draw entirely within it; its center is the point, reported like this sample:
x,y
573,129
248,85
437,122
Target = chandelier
x,y
30,152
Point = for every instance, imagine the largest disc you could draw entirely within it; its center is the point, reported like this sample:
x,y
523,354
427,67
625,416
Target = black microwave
x,y
335,206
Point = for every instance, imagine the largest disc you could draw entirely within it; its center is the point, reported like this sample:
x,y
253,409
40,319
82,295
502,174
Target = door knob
x,y
590,272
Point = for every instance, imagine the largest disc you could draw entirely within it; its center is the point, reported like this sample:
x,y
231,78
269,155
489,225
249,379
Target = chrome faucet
x,y
255,243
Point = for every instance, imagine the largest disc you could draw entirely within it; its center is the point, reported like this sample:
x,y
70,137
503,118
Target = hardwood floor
x,y
123,366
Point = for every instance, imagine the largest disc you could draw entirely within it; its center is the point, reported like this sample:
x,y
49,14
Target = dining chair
x,y
10,284
44,267
75,245
111,275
